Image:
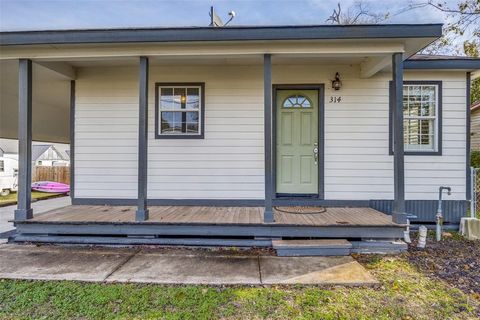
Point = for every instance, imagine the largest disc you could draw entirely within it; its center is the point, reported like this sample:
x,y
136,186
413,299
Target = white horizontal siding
x,y
448,169
106,134
228,163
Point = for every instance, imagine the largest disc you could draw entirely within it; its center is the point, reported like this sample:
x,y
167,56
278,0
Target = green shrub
x,y
475,159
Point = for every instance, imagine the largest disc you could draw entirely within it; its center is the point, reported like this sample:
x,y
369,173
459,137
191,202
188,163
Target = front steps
x,y
335,247
321,247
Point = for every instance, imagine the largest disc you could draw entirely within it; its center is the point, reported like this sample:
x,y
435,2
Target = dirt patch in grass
x,y
454,260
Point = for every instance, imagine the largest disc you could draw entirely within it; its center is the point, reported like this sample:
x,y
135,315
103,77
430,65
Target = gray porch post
x,y
268,134
24,210
399,215
142,211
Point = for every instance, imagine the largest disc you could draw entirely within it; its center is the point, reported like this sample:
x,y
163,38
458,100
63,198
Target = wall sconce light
x,y
337,84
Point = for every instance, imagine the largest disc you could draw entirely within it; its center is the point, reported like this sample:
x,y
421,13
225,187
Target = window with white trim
x,y
179,110
421,117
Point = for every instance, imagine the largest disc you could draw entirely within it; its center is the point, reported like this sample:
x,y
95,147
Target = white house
x,y
48,155
208,131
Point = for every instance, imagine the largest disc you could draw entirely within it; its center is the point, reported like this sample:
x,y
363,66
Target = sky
x,y
87,14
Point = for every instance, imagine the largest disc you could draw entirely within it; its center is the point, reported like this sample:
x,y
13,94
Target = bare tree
x,y
359,13
463,20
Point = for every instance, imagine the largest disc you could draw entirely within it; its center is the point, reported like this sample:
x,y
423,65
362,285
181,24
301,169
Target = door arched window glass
x,y
297,101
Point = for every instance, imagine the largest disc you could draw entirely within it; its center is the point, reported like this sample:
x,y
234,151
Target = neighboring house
x,y
43,153
475,126
206,130
48,155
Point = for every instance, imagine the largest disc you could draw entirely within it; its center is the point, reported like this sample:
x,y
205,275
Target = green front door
x,y
297,141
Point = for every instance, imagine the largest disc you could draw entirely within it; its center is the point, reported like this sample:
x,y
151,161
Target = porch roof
x,y
442,62
233,33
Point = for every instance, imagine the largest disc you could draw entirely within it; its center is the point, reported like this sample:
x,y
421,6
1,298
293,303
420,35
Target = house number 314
x,y
335,99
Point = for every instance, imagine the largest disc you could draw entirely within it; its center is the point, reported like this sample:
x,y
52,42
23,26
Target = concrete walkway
x,y
6,213
175,266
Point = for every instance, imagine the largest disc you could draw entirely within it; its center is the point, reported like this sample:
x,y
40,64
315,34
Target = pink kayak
x,y
51,187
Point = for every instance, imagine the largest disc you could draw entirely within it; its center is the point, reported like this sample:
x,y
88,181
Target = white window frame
x,y
437,130
158,110
420,147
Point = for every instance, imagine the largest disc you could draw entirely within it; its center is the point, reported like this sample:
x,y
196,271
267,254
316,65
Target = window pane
x,y
192,127
418,134
176,122
288,103
419,101
425,139
191,122
425,126
180,111
414,108
166,98
179,98
414,93
428,93
192,116
171,122
193,98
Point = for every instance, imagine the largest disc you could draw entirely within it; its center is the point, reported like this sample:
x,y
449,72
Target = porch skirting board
x,y
425,210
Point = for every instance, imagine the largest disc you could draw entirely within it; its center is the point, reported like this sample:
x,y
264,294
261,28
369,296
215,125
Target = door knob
x,y
315,152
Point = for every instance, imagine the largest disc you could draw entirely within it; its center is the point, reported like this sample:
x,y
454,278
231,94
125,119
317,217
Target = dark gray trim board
x,y
121,240
439,121
468,182
269,133
171,202
72,139
202,110
321,133
24,209
218,230
142,211
398,213
443,64
233,33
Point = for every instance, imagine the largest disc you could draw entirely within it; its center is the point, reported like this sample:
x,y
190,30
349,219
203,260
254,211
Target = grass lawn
x,y
404,293
12,197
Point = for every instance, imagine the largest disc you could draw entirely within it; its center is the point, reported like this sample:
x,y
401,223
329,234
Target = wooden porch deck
x,y
333,216
195,225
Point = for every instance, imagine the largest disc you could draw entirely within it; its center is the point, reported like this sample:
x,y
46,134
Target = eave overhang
x,y
247,33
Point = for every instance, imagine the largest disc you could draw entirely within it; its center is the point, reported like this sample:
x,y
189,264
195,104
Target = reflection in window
x,y
179,110
297,101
